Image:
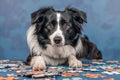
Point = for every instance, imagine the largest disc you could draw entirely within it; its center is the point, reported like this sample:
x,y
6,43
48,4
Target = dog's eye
x,y
50,27
66,27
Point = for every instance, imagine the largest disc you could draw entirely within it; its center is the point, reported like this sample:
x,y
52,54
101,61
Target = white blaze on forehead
x,y
58,17
58,22
58,31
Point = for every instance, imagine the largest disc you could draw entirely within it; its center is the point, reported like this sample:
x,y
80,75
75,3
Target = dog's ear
x,y
78,15
39,15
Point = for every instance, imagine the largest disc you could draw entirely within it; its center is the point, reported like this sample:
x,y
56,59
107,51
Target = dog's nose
x,y
57,39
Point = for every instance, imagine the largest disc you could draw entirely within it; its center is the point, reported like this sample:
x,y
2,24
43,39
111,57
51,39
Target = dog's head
x,y
58,28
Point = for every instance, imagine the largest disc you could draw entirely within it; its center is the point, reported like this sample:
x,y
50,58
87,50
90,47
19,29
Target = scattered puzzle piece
x,y
92,69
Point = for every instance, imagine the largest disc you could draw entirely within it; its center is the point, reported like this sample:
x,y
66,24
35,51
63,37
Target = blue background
x,y
103,27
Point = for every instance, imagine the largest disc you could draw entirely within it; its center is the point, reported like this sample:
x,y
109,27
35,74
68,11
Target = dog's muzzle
x,y
57,40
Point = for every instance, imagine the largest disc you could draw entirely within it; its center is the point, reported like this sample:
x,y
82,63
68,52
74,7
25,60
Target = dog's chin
x,y
57,45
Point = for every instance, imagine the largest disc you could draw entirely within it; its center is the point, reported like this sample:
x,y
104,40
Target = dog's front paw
x,y
38,66
73,62
38,63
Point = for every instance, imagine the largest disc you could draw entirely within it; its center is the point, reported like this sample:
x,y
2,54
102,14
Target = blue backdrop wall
x,y
103,27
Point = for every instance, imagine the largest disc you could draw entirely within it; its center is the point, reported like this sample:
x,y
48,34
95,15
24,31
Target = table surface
x,y
91,70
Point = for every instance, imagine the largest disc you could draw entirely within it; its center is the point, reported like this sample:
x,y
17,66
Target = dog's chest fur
x,y
59,52
59,55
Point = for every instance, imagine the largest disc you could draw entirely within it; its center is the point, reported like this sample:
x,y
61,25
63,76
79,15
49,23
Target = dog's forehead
x,y
66,17
52,15
63,15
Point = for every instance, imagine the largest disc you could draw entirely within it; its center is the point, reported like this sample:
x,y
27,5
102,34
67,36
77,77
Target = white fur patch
x,y
58,32
79,46
32,41
57,55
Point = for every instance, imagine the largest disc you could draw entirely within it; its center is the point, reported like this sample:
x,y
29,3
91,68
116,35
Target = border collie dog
x,y
55,38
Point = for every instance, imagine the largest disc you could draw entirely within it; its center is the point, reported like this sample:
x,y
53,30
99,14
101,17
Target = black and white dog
x,y
55,38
